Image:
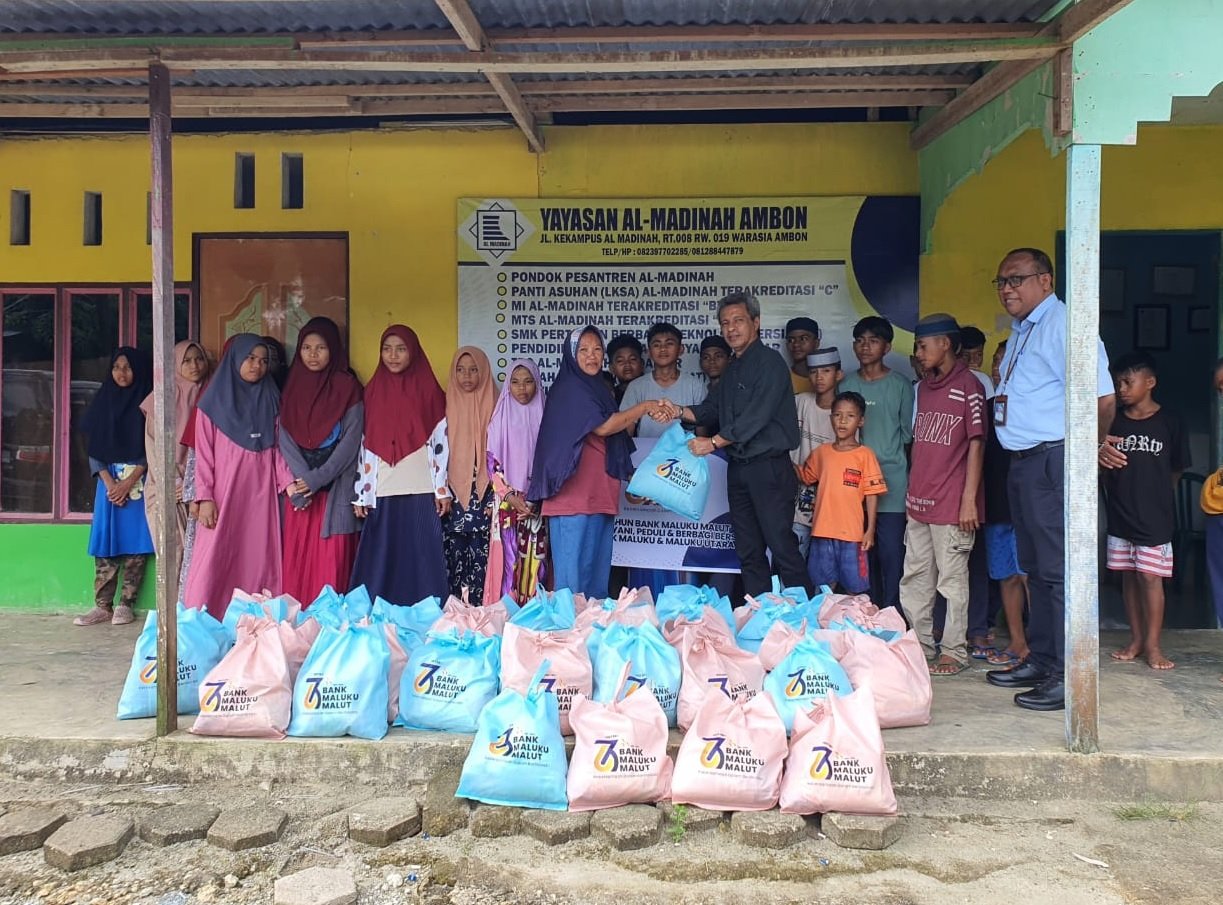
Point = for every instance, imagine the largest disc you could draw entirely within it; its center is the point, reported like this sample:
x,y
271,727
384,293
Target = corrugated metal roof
x,y
204,17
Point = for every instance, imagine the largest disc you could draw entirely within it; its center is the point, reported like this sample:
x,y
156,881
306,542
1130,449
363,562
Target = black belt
x,y
1038,448
761,457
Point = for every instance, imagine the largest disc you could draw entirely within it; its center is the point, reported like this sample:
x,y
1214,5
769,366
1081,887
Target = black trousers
x,y
761,496
1035,488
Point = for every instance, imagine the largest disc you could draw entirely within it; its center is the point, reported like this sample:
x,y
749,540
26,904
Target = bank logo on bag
x,y
803,683
436,682
216,698
186,672
677,474
148,675
732,691
332,696
632,683
564,693
525,746
501,746
840,771
613,755
721,754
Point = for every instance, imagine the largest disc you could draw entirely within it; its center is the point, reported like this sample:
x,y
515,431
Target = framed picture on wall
x,y
1170,280
1152,328
1200,317
1112,290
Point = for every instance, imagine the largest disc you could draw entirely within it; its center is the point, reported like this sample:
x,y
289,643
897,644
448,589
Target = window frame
x,y
130,296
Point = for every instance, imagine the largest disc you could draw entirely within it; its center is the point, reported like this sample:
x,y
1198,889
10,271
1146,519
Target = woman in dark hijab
x,y
119,539
238,473
321,418
582,454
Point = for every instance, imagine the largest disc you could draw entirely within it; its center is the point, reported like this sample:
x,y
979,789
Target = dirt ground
x,y
951,850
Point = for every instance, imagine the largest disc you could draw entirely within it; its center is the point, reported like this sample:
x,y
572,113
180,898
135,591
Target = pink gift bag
x,y
619,751
632,607
460,615
780,639
836,607
836,760
399,661
569,672
731,758
249,693
714,664
682,627
297,641
896,673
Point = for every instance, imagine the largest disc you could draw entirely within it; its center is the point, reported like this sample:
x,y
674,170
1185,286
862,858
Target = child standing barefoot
x,y
1142,458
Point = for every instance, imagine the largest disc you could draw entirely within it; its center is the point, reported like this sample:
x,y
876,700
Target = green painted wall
x,y
44,568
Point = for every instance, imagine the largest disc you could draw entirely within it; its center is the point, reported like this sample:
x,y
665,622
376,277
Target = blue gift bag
x,y
652,662
342,689
276,607
448,681
412,623
518,756
201,644
672,476
806,675
691,602
547,611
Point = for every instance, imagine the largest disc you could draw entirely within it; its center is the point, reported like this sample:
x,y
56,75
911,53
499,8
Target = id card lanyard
x,y
1000,398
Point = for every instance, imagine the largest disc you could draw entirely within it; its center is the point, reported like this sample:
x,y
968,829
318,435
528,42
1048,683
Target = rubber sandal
x,y
981,651
97,616
1004,658
947,667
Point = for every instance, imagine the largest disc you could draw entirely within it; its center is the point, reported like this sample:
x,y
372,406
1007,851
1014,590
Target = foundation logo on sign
x,y
495,231
838,770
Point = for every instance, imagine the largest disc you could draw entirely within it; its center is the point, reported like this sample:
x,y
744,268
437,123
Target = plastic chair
x,y
1189,540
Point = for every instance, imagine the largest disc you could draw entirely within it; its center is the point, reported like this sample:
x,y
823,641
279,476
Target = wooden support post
x,y
1082,574
164,466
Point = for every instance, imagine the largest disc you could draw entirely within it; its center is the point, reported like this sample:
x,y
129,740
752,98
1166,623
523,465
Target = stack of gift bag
x,y
781,701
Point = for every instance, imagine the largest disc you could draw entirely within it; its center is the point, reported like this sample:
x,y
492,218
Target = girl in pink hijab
x,y
518,543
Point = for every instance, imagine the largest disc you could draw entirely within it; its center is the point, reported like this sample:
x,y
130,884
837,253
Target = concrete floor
x,y
63,682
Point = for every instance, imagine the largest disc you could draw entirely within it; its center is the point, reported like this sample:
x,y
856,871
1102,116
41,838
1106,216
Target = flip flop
x,y
1004,658
981,651
947,667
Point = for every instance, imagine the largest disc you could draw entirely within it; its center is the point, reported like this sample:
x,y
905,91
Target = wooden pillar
x,y
163,465
1082,522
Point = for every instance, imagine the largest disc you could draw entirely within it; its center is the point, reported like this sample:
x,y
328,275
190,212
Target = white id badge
x,y
999,411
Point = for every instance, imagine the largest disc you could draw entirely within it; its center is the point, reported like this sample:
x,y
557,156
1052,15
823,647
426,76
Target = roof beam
x,y
822,57
1074,22
284,106
468,28
715,85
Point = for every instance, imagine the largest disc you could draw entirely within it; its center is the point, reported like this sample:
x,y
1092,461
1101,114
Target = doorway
x,y
1159,293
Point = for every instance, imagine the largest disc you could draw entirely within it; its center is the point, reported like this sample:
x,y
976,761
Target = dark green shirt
x,y
752,407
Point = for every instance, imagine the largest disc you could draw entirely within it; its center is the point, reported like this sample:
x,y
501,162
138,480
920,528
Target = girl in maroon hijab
x,y
401,480
321,420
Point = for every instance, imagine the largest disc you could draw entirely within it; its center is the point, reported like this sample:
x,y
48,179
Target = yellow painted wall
x,y
394,192
1171,179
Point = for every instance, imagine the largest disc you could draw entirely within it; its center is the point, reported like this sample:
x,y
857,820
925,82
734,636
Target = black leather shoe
x,y
1025,675
1049,695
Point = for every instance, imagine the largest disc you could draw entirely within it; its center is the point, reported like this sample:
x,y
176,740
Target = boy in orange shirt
x,y
849,480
